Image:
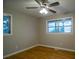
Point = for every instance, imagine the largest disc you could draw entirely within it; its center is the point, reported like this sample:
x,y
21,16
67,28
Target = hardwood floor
x,y
43,53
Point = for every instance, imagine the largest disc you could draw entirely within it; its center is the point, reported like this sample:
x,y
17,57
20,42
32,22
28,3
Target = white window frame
x,y
59,32
8,14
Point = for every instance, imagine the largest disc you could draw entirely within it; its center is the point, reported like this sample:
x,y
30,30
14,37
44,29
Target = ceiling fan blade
x,y
52,10
54,4
31,7
38,2
44,1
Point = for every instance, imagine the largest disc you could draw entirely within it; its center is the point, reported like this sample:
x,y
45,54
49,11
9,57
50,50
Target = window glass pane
x,y
51,23
57,29
67,29
67,22
61,29
57,23
6,24
52,29
60,23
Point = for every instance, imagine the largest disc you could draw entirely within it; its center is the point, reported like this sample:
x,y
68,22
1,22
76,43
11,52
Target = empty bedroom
x,y
39,29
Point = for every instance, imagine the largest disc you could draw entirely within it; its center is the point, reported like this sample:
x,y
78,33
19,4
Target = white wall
x,y
29,31
24,33
62,40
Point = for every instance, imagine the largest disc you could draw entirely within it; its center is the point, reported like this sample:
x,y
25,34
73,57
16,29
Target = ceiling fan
x,y
45,5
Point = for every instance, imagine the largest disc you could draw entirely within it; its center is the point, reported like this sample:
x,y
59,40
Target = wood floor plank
x,y
43,53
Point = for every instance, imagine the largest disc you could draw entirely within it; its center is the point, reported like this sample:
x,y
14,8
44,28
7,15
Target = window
x,y
61,25
7,24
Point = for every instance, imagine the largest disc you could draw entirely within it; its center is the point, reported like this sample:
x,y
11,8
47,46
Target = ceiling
x,y
66,6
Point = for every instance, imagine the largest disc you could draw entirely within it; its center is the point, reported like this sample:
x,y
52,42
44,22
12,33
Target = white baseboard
x,y
36,46
57,48
19,51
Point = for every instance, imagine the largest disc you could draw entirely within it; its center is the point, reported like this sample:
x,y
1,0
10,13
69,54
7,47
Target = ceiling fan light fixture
x,y
47,7
43,11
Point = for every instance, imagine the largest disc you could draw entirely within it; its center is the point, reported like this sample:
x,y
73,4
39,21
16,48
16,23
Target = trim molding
x,y
36,46
19,51
57,48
